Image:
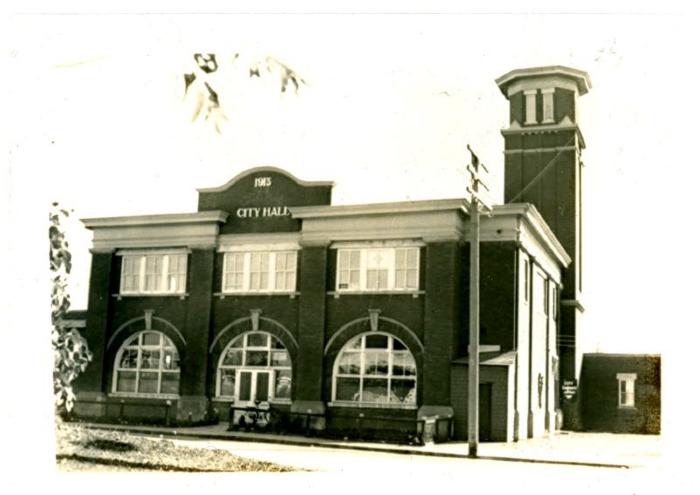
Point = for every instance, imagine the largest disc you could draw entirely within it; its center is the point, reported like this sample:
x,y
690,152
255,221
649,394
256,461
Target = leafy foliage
x,y
200,82
71,353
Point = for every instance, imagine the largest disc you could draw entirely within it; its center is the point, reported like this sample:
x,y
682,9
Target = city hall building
x,y
269,294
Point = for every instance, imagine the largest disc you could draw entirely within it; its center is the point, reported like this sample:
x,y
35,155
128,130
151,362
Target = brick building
x,y
621,393
269,294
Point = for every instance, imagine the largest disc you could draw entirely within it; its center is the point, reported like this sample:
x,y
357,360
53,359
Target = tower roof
x,y
581,78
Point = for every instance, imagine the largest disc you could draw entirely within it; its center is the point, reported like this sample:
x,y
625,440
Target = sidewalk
x,y
585,449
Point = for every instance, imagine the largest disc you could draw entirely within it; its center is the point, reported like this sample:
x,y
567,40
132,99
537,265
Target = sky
x,y
101,123
94,117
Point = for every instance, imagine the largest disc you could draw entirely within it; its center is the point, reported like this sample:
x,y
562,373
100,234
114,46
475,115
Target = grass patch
x,y
82,449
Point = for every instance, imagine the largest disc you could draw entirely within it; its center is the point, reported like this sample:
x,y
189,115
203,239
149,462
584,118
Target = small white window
x,y
349,269
531,106
548,105
625,389
285,271
406,269
377,269
153,273
259,271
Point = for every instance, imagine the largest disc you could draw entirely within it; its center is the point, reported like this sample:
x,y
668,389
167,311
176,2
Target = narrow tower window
x,y
530,108
548,106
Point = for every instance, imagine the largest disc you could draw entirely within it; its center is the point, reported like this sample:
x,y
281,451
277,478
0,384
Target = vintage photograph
x,y
403,246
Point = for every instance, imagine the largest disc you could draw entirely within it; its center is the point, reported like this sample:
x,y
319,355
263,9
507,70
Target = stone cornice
x,y
400,207
581,78
214,216
537,226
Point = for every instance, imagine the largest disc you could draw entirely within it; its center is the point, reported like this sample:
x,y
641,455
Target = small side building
x,y
621,393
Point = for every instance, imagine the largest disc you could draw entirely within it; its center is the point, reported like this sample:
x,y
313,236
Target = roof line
x,y
266,168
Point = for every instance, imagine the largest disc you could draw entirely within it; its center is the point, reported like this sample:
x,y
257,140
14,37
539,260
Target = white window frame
x,y
625,400
138,262
238,368
548,106
365,265
269,283
392,353
135,342
530,106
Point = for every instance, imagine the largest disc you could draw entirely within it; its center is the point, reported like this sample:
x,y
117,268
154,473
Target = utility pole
x,y
476,203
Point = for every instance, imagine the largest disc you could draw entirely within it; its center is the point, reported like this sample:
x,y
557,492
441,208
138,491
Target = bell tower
x,y
543,167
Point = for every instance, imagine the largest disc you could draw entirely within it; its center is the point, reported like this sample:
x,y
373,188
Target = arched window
x,y
147,364
254,367
375,368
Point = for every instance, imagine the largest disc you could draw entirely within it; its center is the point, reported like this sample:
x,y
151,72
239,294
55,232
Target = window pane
x,y
283,384
280,358
238,262
403,391
290,283
129,358
126,381
376,341
256,358
355,260
280,261
372,279
349,363
150,359
347,389
246,378
343,260
151,338
227,386
400,279
400,258
262,387
412,279
355,279
170,383
234,357
412,258
257,340
404,365
280,279
375,390
355,343
275,343
148,383
171,360
397,345
376,363
383,279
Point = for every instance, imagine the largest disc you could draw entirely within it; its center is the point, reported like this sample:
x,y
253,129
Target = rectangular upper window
x,y
153,273
378,269
548,105
260,271
625,389
531,106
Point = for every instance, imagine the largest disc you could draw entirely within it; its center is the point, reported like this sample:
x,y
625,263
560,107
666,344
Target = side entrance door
x,y
485,412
